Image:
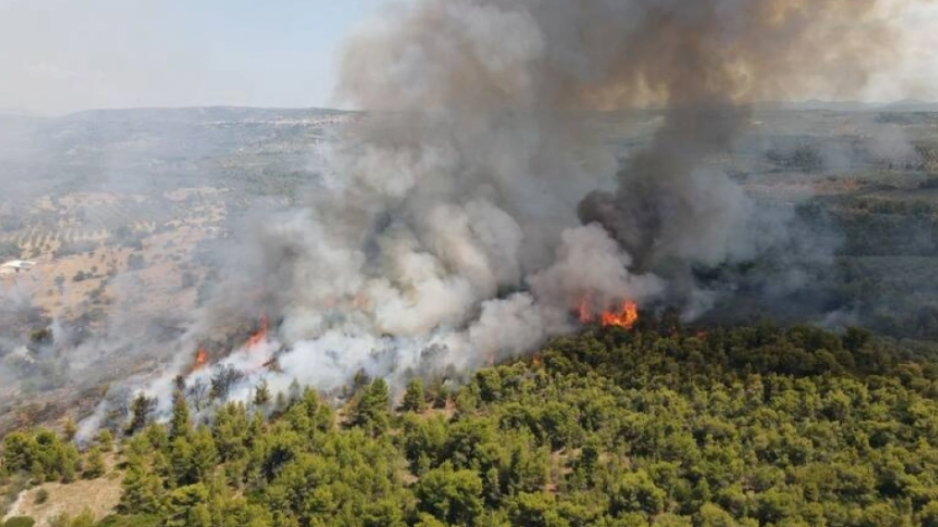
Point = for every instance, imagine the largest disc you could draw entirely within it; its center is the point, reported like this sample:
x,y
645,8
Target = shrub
x,y
135,262
41,336
130,521
42,496
9,250
20,521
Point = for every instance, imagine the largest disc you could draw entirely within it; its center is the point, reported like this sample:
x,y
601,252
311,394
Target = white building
x,y
16,267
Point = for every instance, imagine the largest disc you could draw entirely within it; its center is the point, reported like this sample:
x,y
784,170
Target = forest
x,y
661,425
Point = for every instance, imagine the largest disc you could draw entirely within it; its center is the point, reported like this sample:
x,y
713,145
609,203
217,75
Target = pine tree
x,y
255,431
371,412
360,382
280,403
142,490
180,425
454,496
105,440
160,465
414,400
69,429
140,410
199,516
204,454
295,392
94,464
180,461
156,436
68,462
262,395
182,504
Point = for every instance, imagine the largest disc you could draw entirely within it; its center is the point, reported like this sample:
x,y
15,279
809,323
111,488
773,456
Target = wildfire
x,y
626,317
260,335
201,359
584,313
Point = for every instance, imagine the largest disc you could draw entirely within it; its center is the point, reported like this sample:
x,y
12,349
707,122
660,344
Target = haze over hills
x,y
904,105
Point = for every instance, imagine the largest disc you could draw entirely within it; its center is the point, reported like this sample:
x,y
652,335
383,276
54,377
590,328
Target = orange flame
x,y
584,313
625,318
201,359
260,335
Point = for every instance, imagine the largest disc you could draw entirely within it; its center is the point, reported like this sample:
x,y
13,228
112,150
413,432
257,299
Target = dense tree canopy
x,y
751,426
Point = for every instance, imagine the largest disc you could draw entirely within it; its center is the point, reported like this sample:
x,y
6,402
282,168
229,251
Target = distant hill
x,y
155,148
202,114
907,105
911,105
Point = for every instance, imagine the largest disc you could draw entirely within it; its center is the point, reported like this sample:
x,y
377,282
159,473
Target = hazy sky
x,y
64,55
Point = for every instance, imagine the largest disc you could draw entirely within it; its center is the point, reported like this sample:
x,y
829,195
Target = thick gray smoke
x,y
465,218
453,221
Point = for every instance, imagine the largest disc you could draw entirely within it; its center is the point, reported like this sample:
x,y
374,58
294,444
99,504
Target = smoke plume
x,y
464,218
450,231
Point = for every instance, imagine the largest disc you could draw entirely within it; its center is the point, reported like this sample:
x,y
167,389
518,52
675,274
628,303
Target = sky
x,y
59,56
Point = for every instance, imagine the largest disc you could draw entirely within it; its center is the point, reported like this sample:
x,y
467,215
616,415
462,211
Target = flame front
x,y
260,335
201,359
626,317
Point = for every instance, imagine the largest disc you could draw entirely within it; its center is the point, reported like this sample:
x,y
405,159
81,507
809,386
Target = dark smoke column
x,y
708,60
656,210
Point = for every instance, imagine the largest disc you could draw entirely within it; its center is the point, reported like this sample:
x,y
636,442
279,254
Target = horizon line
x,y
9,112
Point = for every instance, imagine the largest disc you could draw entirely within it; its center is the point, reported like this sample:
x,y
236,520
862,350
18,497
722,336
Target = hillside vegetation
x,y
751,426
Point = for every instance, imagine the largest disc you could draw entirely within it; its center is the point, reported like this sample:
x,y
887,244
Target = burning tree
x,y
625,317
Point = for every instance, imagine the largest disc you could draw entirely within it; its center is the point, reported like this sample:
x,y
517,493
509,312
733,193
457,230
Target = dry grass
x,y
165,251
100,496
